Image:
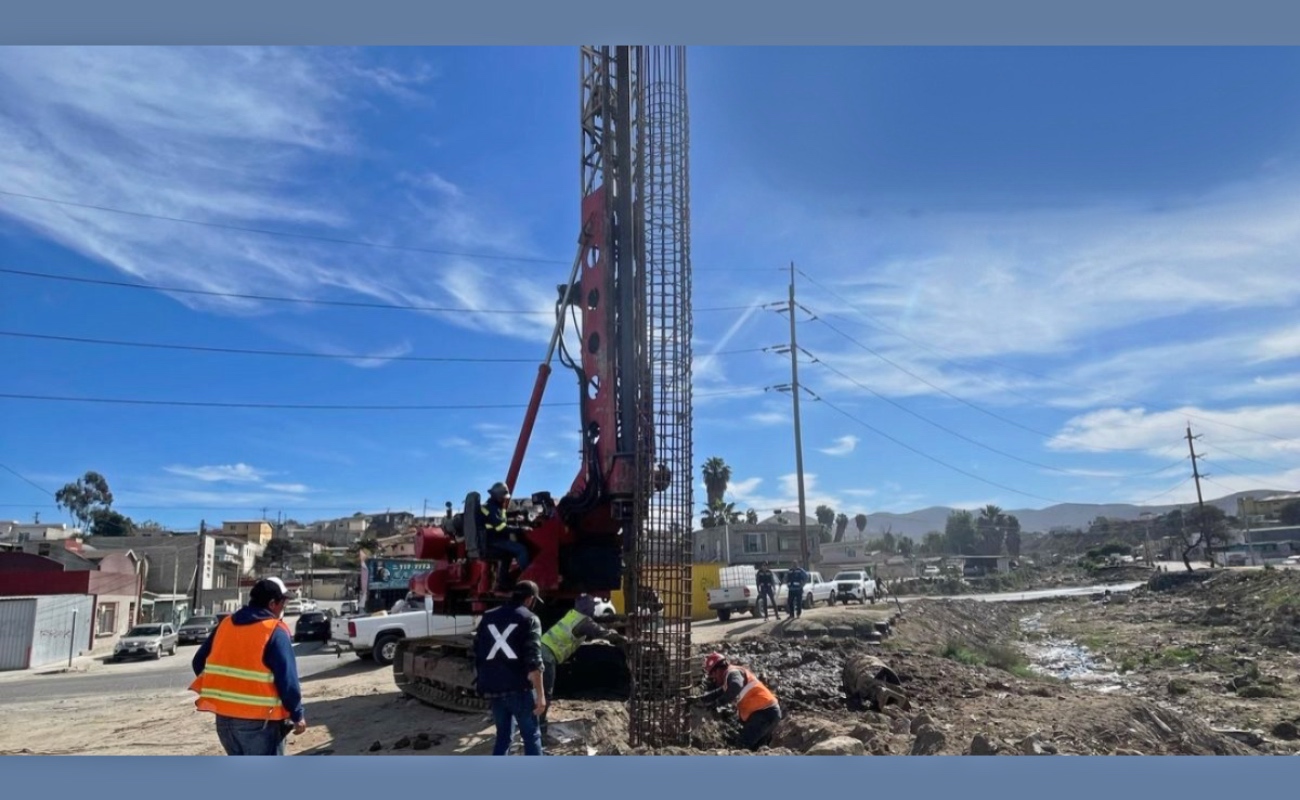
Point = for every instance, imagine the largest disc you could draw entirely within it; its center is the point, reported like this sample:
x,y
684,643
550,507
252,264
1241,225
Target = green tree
x,y
991,529
933,544
1013,538
1204,528
959,533
841,525
906,547
825,516
888,542
719,513
716,477
107,522
85,496
860,522
1289,514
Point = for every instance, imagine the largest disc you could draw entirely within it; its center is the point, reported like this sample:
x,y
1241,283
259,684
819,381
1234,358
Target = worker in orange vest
x,y
756,704
248,677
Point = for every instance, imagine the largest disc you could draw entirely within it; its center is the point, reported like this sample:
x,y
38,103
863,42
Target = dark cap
x,y
268,590
526,589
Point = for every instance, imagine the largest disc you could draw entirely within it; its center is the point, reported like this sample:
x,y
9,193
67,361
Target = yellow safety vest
x,y
560,639
487,522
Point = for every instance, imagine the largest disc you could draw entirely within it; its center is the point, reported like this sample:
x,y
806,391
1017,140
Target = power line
x,y
1130,400
1180,485
25,479
320,238
300,300
288,353
962,400
938,461
311,406
241,351
975,442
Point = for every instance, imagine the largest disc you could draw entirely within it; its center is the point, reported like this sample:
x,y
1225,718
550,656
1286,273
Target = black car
x,y
197,629
313,626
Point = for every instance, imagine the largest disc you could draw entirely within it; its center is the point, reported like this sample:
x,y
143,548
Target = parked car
x,y
312,626
196,629
293,608
816,590
146,641
855,585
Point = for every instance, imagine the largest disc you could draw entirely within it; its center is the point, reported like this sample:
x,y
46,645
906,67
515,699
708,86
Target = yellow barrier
x,y
703,577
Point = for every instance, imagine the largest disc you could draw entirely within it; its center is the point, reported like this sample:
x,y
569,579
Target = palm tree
x,y
716,477
841,525
751,516
992,529
861,522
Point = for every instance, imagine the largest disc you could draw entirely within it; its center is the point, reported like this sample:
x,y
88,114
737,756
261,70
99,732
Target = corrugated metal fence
x,y
38,631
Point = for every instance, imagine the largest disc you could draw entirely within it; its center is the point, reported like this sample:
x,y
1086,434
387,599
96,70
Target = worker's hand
x,y
539,706
299,727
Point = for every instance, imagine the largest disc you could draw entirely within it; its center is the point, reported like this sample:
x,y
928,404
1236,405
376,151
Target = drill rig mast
x,y
626,520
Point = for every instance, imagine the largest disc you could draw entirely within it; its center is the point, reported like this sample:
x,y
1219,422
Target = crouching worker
x,y
565,637
756,705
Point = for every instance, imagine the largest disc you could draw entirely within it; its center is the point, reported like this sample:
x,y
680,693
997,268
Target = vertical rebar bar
x,y
661,557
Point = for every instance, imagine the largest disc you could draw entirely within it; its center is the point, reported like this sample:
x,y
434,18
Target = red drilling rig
x,y
625,522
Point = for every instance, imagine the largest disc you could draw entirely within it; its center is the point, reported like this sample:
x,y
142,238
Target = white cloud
x,y
842,447
230,473
1280,345
250,137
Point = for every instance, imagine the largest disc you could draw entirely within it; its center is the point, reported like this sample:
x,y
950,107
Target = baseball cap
x,y
526,589
268,589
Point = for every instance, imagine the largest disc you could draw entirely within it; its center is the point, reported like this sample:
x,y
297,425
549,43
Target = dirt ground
x,y
1209,666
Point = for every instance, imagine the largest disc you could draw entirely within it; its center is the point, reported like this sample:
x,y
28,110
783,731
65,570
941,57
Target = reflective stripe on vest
x,y
498,527
754,695
234,681
560,639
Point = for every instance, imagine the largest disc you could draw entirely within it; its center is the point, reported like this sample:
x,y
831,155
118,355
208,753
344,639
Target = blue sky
x,y
1032,265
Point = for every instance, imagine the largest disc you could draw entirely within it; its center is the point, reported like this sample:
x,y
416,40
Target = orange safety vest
x,y
234,681
754,695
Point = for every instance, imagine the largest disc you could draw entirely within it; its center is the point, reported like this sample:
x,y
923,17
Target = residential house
x,y
113,585
775,540
1264,508
205,569
38,532
258,532
337,532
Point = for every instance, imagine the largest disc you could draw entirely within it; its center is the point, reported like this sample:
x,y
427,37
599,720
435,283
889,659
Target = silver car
x,y
147,641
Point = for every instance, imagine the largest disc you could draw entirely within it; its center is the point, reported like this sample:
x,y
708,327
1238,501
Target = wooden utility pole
x,y
1200,501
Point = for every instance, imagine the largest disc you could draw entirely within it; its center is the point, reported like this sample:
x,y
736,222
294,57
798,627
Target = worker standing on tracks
x,y
508,652
502,538
247,676
565,637
795,580
756,705
767,590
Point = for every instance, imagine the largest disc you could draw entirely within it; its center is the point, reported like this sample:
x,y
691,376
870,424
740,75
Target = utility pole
x,y
1200,501
176,563
798,429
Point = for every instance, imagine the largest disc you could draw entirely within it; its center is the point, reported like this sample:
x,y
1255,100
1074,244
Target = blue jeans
x,y
516,708
515,550
251,737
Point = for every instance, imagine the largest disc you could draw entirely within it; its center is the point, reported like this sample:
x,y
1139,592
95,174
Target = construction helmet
x,y
713,661
499,490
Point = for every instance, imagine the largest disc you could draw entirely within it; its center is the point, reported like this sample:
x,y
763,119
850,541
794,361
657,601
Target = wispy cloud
x,y
842,447
229,473
252,137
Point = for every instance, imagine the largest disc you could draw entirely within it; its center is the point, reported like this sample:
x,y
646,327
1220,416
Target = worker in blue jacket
x,y
508,655
795,580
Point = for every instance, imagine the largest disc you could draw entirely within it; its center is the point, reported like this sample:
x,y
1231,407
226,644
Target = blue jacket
x,y
507,647
796,578
278,657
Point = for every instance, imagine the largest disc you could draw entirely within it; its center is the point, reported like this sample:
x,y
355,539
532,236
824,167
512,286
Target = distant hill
x,y
1066,515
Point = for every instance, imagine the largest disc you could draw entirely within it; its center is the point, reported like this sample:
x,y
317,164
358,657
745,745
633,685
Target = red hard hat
x,y
712,661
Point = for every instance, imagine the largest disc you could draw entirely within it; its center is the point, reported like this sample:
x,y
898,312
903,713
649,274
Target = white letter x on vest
x,y
499,641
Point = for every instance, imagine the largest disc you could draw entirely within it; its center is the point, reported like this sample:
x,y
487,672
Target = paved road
x,y
168,674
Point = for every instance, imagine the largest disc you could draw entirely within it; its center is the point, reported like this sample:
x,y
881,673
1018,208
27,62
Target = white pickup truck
x,y
377,635
737,591
816,590
855,585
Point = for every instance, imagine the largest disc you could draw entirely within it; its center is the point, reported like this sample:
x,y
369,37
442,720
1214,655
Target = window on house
x,y
754,543
789,544
106,619
42,549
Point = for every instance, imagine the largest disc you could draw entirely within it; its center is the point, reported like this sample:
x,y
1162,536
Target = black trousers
x,y
758,729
